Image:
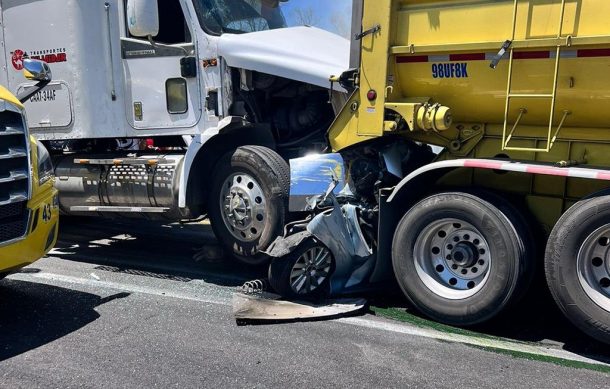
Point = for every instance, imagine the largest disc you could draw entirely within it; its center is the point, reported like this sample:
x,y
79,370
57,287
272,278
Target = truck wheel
x,y
249,200
577,264
304,273
459,258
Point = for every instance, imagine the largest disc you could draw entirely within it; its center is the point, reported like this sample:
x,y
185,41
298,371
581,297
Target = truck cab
x,y
178,109
28,201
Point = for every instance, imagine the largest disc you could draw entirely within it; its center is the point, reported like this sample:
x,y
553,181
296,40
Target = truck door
x,y
158,93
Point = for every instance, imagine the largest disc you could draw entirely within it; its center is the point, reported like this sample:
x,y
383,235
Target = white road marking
x,y
375,324
117,286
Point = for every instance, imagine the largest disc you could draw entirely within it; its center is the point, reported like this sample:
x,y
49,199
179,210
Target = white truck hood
x,y
306,54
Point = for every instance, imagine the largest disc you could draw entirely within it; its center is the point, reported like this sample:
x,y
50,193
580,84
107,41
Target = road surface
x,y
148,305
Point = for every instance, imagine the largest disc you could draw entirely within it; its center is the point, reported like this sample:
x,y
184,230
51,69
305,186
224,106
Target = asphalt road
x,y
144,305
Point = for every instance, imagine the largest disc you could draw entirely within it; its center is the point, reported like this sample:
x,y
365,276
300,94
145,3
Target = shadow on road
x,y
187,252
150,248
536,319
32,315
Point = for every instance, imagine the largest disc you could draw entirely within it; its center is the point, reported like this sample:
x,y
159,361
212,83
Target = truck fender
x,y
394,202
438,169
211,140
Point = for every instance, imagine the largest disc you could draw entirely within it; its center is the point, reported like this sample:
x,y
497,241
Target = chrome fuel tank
x,y
146,186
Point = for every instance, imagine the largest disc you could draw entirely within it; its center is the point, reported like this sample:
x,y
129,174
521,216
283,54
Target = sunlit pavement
x,y
142,304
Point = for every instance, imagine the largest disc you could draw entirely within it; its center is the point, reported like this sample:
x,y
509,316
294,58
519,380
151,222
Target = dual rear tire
x,y
461,259
577,266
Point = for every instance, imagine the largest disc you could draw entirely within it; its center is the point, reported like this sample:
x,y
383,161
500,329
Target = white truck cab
x,y
176,109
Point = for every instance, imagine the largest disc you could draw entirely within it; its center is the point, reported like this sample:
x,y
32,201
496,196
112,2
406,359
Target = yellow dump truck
x,y
516,94
28,201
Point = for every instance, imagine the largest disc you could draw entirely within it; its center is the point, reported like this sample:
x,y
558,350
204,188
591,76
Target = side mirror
x,y
36,70
143,17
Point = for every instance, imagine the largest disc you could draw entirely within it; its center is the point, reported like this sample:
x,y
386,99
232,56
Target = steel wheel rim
x,y
593,267
452,258
310,270
242,203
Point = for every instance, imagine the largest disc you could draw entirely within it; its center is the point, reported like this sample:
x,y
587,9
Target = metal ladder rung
x,y
550,139
531,96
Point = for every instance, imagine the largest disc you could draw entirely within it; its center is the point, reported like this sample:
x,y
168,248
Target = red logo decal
x,y
17,59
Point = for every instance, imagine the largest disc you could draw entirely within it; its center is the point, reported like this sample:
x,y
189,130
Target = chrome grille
x,y
14,173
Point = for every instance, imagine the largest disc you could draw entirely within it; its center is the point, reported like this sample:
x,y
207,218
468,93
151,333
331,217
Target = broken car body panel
x,y
309,179
268,306
337,227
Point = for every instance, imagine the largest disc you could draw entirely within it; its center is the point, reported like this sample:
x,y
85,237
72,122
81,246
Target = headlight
x,y
45,165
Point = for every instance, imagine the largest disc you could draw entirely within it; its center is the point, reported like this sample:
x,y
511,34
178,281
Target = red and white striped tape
x,y
518,55
507,166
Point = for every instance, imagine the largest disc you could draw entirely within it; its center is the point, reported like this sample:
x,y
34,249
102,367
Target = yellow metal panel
x,y
443,22
5,94
44,200
582,86
34,246
546,210
374,69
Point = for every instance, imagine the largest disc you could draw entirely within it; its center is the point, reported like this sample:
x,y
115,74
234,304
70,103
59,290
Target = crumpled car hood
x,y
306,54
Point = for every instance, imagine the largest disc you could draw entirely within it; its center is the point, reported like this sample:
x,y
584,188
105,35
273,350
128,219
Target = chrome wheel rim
x,y
310,270
593,266
452,258
243,202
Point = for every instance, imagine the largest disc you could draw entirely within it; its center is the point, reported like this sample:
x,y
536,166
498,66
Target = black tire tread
x,y
568,223
281,178
516,243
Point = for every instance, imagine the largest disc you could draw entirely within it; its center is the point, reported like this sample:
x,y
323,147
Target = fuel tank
x,y
110,185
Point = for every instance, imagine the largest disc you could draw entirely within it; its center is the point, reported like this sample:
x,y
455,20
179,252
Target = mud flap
x,y
270,307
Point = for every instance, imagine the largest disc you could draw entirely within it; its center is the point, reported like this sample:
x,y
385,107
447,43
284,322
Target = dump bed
x,y
444,49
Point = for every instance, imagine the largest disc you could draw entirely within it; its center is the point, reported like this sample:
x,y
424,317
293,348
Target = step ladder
x,y
552,95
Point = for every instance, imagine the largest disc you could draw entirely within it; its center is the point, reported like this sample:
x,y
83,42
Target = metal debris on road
x,y
267,306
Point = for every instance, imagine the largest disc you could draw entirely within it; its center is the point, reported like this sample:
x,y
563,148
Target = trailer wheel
x,y
304,273
461,259
577,264
249,201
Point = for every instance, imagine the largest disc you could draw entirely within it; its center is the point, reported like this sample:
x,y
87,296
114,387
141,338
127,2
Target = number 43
x,y
46,213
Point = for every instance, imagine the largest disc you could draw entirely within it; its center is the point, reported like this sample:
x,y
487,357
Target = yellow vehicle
x,y
28,201
515,92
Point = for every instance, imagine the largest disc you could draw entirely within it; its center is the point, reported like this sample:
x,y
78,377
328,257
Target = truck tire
x,y
304,273
460,259
248,202
577,266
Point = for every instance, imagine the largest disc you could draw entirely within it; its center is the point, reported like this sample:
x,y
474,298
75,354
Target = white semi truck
x,y
176,109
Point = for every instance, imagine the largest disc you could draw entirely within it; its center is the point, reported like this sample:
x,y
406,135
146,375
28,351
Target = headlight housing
x,y
45,165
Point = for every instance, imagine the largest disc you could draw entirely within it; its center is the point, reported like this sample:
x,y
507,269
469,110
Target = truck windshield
x,y
244,16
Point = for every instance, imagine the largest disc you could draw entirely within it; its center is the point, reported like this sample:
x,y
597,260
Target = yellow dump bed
x,y
444,49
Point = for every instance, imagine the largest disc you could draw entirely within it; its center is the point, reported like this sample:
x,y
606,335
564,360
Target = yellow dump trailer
x,y
28,201
517,95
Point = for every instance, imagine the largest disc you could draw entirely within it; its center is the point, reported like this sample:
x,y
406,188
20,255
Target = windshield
x,y
244,16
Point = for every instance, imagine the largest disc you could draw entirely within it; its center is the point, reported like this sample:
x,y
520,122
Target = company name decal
x,y
47,55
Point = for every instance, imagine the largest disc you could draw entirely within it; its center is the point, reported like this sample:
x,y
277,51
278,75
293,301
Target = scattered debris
x,y
255,287
267,306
